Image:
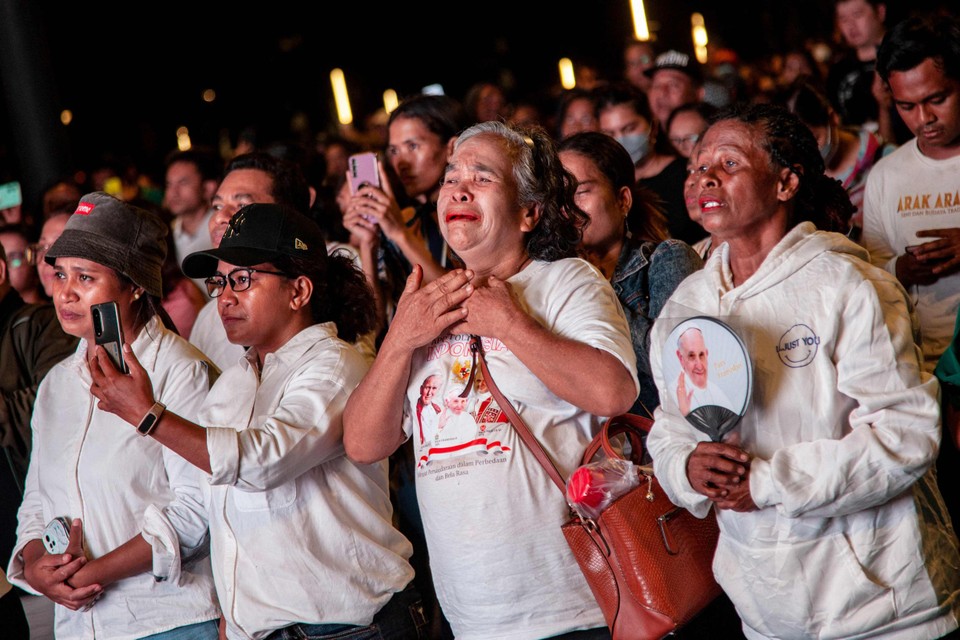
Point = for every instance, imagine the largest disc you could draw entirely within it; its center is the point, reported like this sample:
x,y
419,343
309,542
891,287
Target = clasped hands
x,y
59,576
453,304
721,471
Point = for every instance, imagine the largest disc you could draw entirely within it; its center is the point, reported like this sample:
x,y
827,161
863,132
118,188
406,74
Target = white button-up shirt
x,y
89,464
299,533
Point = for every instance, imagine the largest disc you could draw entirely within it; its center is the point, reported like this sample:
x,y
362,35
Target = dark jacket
x,y
645,277
31,343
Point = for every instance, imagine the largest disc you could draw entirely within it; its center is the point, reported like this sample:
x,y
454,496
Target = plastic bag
x,y
593,487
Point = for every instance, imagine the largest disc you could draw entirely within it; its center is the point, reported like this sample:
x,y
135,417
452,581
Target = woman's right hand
x,y
426,312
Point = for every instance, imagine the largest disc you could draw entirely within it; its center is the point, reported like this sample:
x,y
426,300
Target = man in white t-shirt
x,y
694,389
192,177
911,209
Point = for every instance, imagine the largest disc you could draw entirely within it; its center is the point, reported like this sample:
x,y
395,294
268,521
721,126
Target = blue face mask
x,y
637,145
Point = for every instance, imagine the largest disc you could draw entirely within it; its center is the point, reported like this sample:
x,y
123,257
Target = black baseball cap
x,y
679,61
260,233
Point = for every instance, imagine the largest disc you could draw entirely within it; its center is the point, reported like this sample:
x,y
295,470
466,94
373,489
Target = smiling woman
x,y
832,460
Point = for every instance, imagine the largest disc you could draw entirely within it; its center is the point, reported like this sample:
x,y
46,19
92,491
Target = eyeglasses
x,y
239,280
15,259
685,141
35,253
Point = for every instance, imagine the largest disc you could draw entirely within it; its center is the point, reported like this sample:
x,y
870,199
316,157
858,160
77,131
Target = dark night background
x,y
134,72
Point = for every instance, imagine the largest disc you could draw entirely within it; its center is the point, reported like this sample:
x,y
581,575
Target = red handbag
x,y
647,561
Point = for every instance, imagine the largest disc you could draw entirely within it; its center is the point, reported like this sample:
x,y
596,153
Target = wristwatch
x,y
149,421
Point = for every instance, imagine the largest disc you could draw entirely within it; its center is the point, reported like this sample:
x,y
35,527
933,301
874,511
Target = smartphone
x,y
108,332
56,535
10,195
363,168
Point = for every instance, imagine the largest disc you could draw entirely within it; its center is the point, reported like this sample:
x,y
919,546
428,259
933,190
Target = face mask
x,y
637,145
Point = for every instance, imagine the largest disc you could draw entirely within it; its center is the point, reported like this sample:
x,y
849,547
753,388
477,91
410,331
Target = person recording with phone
x,y
302,538
126,573
421,132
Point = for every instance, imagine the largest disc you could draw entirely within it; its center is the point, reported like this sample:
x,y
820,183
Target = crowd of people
x,y
300,442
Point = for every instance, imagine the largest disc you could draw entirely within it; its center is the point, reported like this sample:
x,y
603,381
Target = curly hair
x,y
340,292
541,181
820,199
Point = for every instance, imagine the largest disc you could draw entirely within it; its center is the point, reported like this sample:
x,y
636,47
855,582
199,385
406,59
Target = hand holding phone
x,y
363,169
108,332
56,536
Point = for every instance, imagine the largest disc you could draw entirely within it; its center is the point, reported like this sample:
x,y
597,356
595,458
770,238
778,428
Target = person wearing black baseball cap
x,y
676,79
83,466
293,522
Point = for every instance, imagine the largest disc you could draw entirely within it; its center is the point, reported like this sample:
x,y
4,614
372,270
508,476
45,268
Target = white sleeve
x,y
177,531
878,239
894,431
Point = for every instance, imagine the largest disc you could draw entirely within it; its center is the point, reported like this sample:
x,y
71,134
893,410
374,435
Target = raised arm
x,y
374,413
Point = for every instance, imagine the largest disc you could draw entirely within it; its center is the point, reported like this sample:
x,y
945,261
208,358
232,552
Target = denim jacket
x,y
645,277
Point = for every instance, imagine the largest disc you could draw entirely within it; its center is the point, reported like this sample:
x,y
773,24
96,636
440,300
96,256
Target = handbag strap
x,y
518,424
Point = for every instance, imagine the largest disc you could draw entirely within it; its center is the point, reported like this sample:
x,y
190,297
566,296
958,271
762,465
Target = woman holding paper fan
x,y
557,345
831,524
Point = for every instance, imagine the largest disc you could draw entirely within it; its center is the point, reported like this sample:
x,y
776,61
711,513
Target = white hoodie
x,y
851,537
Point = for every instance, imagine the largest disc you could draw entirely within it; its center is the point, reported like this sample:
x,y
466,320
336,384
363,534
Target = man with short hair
x,y
694,387
850,79
911,209
191,180
675,79
249,178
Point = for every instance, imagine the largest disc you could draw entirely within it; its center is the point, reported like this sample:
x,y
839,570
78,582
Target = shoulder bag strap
x,y
518,424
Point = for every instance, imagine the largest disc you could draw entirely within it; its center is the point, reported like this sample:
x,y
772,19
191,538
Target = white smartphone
x,y
56,535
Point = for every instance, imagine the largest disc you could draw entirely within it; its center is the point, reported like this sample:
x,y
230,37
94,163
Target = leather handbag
x,y
647,561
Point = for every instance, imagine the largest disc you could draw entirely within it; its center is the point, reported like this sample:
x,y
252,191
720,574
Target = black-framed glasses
x,y
685,141
239,280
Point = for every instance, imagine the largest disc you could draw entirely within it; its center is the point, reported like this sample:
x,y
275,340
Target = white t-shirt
x,y
491,514
906,192
187,243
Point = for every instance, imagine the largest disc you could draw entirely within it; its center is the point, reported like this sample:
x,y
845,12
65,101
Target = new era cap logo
x,y
84,209
300,244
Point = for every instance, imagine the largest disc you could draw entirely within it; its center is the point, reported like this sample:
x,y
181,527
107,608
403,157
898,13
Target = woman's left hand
x,y
491,310
127,396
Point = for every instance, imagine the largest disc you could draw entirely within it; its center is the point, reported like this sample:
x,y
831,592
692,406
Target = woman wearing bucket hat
x,y
280,493
128,492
